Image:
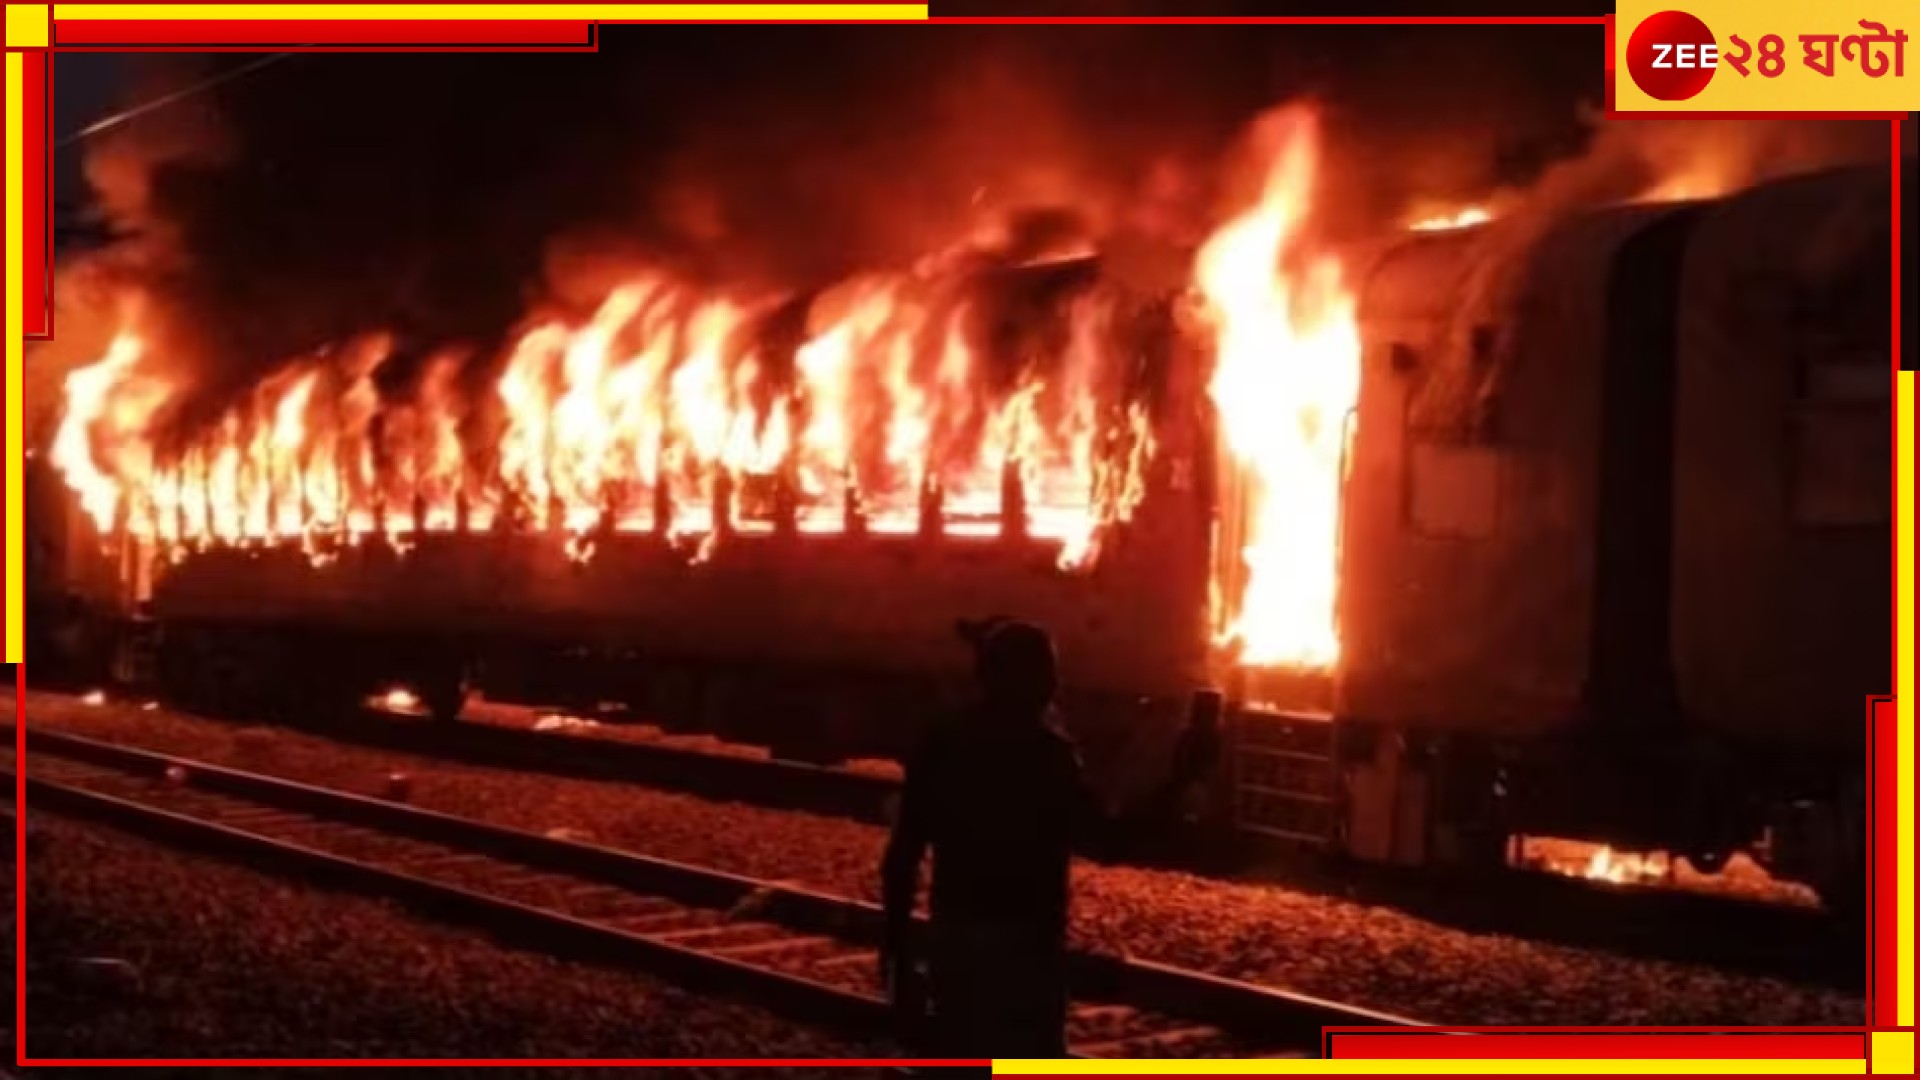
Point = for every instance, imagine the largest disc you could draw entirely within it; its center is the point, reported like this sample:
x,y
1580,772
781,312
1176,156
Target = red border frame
x,y
1585,1044
274,33
36,198
371,36
1883,898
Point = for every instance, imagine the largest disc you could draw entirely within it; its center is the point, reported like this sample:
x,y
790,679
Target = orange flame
x,y
1465,218
1703,179
399,699
1623,868
661,412
1285,383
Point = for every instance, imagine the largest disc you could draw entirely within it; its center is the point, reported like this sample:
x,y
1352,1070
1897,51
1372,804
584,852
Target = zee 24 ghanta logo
x,y
1672,56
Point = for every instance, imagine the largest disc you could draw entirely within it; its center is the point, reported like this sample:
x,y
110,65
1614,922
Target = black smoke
x,y
443,197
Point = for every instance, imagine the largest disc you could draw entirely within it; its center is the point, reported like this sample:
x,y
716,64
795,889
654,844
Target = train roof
x,y
1830,229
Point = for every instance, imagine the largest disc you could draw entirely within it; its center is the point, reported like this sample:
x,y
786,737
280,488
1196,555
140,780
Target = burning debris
x,y
664,411
1599,863
398,699
1627,867
1286,378
1604,864
1460,219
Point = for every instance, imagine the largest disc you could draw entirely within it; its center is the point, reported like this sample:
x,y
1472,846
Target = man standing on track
x,y
999,797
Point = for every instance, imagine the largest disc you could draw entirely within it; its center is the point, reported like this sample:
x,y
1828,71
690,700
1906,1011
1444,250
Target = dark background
x,y
429,192
444,197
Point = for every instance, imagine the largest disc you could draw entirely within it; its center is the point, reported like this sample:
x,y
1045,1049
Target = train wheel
x,y
445,694
1719,815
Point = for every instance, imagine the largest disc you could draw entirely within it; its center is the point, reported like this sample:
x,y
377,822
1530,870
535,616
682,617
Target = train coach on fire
x,y
1597,508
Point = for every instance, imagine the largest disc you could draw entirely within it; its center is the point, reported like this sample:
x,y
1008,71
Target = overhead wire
x,y
108,123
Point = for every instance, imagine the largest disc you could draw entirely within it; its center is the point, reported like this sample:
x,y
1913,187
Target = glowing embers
x,y
1286,380
1603,864
399,700
1599,863
564,722
891,405
1623,867
1464,218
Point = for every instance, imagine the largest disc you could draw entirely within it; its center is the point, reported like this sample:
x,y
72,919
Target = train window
x,y
1841,426
1453,492
1453,398
1842,445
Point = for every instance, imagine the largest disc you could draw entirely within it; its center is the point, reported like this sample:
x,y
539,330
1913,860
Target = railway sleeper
x,y
635,906
652,925
670,933
1155,1045
785,953
594,901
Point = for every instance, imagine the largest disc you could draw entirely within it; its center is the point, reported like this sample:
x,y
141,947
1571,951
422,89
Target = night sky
x,y
437,184
87,86
443,196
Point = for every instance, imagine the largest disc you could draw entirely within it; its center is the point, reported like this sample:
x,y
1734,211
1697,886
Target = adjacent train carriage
x,y
1783,505
1618,522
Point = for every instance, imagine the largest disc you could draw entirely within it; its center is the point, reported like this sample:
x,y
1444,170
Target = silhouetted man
x,y
998,796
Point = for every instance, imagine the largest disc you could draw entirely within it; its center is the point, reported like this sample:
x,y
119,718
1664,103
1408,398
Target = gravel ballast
x,y
1365,955
136,951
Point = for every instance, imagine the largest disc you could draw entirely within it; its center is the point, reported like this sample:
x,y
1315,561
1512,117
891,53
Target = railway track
x,y
803,953
1734,932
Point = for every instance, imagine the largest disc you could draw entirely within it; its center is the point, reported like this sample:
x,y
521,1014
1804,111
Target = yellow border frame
x,y
600,12
28,26
16,347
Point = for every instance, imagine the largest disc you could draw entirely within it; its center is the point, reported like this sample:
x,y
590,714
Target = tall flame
x,y
887,404
1286,379
664,411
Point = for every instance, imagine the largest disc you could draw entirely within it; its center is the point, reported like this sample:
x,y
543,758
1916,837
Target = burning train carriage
x,y
773,597
1535,530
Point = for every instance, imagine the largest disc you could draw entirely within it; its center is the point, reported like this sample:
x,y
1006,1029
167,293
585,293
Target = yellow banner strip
x,y
616,12
15,473
1456,1066
1903,944
557,12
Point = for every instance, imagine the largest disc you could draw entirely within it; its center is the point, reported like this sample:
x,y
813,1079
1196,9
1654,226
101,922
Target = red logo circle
x,y
1665,58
